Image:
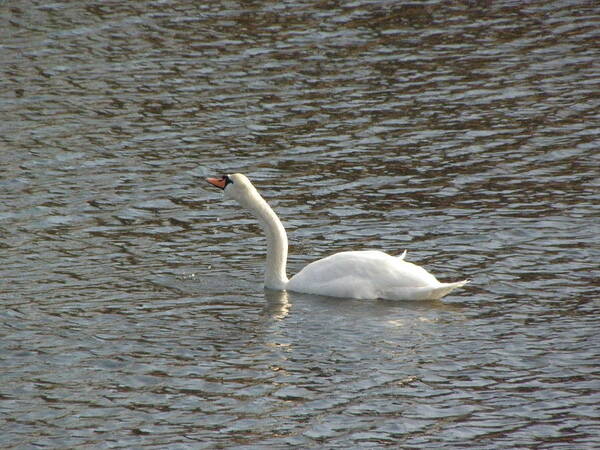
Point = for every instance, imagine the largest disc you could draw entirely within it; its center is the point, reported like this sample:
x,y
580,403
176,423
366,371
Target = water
x,y
133,311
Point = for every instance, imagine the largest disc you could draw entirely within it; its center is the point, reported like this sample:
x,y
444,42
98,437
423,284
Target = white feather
x,y
366,274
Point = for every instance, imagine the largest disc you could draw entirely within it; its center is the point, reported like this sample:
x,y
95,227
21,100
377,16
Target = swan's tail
x,y
446,288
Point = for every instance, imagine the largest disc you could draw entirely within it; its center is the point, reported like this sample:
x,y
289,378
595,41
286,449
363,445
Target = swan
x,y
368,274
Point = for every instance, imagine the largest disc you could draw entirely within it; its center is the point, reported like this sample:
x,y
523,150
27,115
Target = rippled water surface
x,y
133,313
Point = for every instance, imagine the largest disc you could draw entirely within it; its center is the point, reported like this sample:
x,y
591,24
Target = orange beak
x,y
218,182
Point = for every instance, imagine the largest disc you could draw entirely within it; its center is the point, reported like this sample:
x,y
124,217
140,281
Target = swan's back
x,y
368,275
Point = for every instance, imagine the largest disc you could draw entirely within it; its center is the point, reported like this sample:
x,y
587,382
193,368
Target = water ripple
x,y
133,310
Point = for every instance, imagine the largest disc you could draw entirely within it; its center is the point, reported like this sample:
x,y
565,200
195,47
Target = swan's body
x,y
367,274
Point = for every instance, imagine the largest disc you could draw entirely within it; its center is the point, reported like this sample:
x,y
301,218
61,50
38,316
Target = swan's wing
x,y
403,255
361,274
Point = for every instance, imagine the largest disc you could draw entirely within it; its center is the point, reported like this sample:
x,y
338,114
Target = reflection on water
x,y
132,307
278,304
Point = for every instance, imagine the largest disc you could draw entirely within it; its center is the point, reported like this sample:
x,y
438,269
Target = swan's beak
x,y
218,182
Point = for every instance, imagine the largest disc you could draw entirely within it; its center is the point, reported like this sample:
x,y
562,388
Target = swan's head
x,y
237,187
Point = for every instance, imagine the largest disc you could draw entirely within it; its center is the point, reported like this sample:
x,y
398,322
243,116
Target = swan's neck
x,y
277,244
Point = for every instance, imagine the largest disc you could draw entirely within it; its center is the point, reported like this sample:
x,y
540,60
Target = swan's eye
x,y
227,180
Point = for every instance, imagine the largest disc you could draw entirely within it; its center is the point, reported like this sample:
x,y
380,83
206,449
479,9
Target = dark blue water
x,y
133,313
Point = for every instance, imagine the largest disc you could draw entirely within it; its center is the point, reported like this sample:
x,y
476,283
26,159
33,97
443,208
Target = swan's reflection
x,y
277,304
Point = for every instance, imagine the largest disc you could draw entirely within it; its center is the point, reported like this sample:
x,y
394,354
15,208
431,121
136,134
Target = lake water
x,y
133,313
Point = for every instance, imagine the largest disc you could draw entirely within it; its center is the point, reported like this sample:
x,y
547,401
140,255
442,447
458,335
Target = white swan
x,y
358,274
